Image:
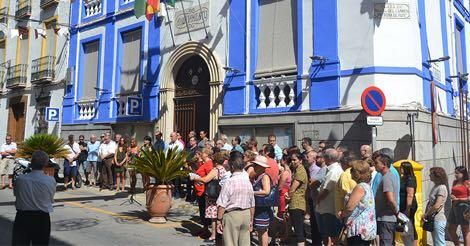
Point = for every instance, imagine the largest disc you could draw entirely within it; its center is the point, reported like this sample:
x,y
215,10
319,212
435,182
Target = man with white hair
x,y
366,151
226,146
34,194
175,143
330,225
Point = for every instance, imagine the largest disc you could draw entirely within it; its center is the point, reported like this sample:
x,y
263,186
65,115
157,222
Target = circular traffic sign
x,y
373,101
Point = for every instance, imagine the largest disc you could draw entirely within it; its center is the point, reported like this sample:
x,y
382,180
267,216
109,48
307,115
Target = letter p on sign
x,y
134,106
52,114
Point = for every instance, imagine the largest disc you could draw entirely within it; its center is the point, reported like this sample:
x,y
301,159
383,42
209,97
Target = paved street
x,y
87,216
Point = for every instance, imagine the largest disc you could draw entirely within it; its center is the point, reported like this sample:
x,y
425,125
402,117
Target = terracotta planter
x,y
158,202
49,171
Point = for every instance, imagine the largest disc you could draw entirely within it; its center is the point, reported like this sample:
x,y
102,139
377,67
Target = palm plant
x,y
163,166
52,145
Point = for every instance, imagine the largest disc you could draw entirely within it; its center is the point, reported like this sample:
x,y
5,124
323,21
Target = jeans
x,y
439,233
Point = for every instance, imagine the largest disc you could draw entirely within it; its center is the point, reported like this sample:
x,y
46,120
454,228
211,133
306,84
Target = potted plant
x,y
164,167
52,145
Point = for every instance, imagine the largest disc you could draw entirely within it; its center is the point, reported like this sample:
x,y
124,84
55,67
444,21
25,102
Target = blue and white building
x,y
295,68
115,59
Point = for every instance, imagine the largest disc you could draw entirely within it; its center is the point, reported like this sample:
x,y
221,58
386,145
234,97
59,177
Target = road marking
x,y
125,217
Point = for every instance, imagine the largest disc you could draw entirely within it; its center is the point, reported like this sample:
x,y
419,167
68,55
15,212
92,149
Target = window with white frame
x,y
458,49
130,63
277,42
90,70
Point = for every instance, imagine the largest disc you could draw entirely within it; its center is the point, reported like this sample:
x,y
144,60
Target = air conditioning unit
x,y
70,76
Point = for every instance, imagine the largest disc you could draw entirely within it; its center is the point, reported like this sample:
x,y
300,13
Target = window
x,y
277,38
51,39
459,49
24,48
2,51
130,63
90,70
41,124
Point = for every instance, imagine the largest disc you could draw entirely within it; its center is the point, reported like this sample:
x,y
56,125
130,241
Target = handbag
x,y
212,189
428,224
271,200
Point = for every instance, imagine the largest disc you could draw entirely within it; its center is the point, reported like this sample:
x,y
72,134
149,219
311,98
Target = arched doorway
x,y
191,111
171,70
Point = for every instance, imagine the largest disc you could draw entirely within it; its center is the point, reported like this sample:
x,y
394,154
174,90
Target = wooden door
x,y
185,116
17,118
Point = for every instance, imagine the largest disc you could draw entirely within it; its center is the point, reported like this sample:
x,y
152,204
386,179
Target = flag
x,y
171,3
150,13
14,33
139,8
155,5
40,32
63,31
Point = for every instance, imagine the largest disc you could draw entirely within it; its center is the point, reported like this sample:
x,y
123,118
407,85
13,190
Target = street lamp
x,y
440,59
231,69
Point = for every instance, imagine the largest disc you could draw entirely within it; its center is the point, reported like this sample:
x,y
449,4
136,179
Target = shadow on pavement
x,y
73,224
6,232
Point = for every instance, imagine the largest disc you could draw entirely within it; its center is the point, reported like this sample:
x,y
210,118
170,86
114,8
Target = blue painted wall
x,y
105,100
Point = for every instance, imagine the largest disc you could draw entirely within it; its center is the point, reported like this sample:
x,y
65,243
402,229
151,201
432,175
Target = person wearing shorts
x,y
7,162
70,162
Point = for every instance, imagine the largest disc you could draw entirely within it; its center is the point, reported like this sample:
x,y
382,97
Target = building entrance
x,y
191,111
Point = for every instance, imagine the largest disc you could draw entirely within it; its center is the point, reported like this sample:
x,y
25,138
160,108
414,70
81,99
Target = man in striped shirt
x,y
236,205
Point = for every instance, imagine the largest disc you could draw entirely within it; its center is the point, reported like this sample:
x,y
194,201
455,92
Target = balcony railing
x,y
275,92
17,76
3,15
23,8
43,70
92,7
2,79
48,3
86,109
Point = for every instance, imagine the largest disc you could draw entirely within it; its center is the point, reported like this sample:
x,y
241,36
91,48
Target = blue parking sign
x,y
52,114
134,106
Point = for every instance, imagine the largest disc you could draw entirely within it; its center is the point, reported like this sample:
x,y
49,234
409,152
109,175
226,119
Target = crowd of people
x,y
243,190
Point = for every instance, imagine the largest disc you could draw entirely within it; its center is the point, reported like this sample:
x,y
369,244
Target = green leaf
x,y
52,145
163,166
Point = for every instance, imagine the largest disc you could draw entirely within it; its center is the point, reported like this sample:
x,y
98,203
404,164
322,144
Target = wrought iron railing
x,y
23,8
47,3
17,76
4,15
43,69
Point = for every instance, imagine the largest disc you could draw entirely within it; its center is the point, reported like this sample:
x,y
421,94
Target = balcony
x,y
86,109
17,76
48,3
275,92
23,8
3,16
43,70
92,7
2,79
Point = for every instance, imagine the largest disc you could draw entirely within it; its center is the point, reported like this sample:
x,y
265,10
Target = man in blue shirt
x,y
92,160
277,149
159,143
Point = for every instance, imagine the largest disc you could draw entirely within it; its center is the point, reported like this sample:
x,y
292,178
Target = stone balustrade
x,y
92,7
276,92
86,109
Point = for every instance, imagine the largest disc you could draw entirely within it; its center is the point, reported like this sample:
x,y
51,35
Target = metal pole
x,y
186,20
412,131
374,138
466,128
462,138
171,29
202,17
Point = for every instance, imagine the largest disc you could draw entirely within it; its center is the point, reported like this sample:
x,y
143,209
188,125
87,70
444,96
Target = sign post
x,y
373,102
52,114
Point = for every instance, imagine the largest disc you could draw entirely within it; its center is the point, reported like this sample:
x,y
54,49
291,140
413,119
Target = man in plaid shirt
x,y
236,204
